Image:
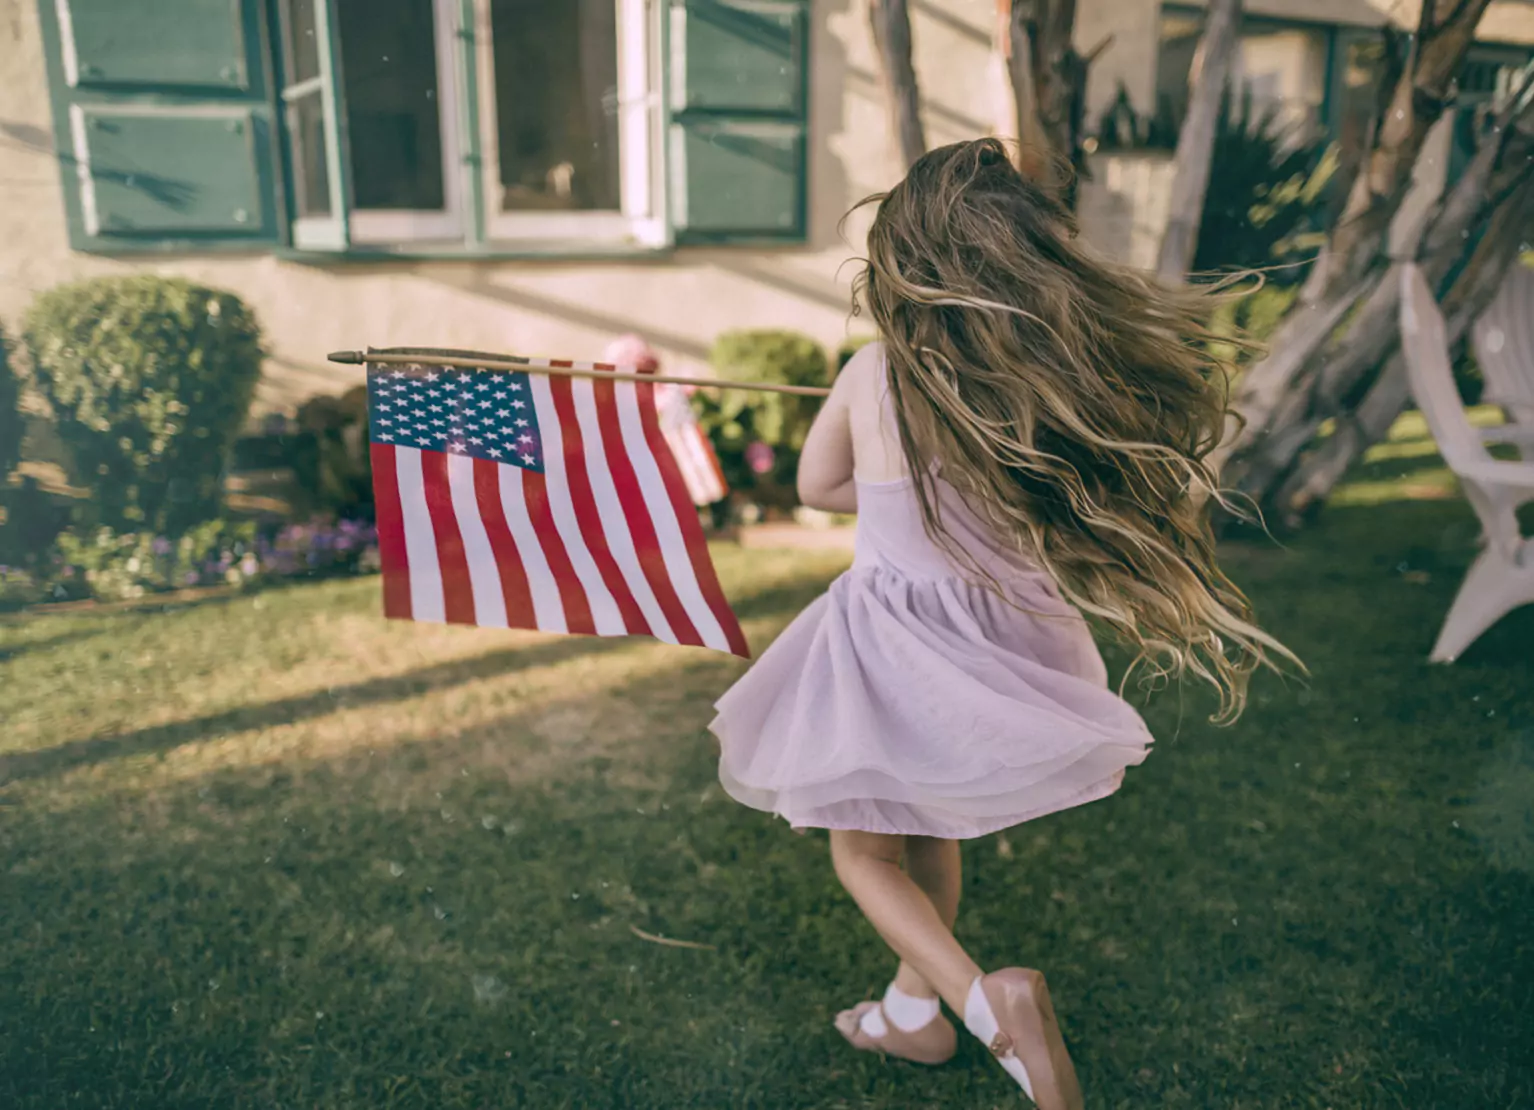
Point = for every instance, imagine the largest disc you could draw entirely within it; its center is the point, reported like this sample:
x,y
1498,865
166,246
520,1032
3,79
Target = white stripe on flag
x,y
548,610
620,541
680,451
426,603
667,528
605,614
696,462
484,578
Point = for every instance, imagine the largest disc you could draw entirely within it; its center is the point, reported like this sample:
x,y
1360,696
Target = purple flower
x,y
160,546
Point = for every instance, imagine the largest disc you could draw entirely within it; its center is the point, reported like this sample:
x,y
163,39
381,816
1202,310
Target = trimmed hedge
x,y
737,419
149,379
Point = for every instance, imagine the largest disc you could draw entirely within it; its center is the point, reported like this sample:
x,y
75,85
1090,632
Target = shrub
x,y
737,421
149,379
32,518
1267,194
331,460
111,565
10,413
118,565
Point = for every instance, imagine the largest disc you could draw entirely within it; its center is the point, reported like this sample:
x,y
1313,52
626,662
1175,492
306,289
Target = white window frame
x,y
641,216
384,226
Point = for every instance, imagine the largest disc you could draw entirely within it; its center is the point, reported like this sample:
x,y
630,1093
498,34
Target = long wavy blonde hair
x,y
1072,404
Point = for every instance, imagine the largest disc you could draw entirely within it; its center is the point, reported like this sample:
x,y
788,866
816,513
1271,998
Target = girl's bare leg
x,y
869,867
935,866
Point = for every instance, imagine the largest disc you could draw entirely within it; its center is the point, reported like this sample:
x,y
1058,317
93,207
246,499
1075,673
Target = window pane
x,y
1179,43
389,76
303,47
1284,71
556,103
306,128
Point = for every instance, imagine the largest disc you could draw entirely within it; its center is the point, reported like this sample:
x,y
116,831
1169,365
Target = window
x,y
1490,75
387,67
1282,68
571,108
430,126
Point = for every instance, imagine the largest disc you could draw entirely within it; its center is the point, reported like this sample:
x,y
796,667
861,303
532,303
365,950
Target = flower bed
x,y
112,566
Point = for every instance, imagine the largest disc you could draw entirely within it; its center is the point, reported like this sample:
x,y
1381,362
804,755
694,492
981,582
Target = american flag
x,y
526,500
695,455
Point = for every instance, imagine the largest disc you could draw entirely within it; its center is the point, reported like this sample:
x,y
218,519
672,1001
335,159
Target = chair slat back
x,y
1425,348
1503,339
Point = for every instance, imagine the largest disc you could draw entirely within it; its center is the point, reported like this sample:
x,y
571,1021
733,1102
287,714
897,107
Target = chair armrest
x,y
1516,434
1495,472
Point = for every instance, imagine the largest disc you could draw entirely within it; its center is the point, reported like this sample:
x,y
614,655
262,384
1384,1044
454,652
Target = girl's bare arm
x,y
825,464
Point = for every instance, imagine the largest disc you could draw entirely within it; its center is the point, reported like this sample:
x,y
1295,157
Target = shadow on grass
x,y
414,930
9,652
14,767
1308,909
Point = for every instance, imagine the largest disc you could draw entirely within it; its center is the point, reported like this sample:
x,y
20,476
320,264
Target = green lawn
x,y
271,851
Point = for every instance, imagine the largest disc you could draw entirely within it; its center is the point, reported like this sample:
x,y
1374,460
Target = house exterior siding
x,y
679,298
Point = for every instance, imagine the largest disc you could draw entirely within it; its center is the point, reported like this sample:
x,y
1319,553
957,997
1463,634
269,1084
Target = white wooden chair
x,y
1503,341
1502,576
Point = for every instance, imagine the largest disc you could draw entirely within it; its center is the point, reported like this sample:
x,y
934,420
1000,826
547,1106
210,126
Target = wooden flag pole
x,y
465,360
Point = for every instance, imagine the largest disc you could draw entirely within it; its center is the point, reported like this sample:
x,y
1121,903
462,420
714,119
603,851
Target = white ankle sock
x,y
906,1012
981,1021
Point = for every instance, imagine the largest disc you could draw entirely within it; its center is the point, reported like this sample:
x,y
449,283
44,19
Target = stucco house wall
x,y
680,300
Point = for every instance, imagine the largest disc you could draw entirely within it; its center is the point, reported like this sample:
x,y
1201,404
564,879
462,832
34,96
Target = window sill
x,y
442,252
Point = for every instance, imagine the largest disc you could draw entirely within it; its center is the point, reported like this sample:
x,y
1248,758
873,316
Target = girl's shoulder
x,y
868,359
864,373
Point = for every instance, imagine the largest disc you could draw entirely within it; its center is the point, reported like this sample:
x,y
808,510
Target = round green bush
x,y
736,418
10,413
149,379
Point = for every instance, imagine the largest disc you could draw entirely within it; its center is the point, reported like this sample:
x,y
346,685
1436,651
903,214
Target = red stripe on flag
x,y
391,534
457,591
572,595
637,513
583,501
508,560
692,528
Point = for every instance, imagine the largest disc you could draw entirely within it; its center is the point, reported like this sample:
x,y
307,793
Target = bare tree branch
x,y
1195,140
891,23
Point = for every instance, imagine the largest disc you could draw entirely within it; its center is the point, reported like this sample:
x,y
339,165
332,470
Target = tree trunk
x,y
891,22
1044,82
1018,113
1344,369
1318,473
1195,140
1274,398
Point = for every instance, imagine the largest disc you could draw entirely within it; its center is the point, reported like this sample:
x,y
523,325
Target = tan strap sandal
x,y
932,1044
1029,1034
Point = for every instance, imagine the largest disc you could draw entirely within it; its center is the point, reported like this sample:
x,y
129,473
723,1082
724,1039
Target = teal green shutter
x,y
738,93
163,123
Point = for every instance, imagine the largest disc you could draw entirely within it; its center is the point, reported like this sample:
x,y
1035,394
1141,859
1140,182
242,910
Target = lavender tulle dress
x,y
910,700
